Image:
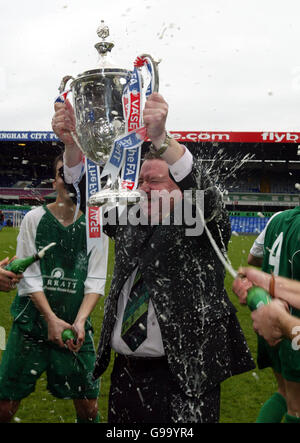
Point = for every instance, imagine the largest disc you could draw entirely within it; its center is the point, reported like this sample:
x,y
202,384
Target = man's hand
x,y
63,122
240,287
268,320
155,116
56,326
8,279
78,327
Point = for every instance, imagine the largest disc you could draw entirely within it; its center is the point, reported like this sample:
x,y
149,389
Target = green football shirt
x,y
65,274
282,246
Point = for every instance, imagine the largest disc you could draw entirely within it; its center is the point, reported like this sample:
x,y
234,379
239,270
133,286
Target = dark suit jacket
x,y
202,339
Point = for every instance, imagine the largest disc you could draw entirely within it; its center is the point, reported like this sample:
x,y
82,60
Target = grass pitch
x,y
241,396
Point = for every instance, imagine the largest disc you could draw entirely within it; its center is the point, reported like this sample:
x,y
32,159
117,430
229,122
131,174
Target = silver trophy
x,y
99,112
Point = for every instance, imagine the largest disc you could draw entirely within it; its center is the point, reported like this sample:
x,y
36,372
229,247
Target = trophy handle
x,y
155,71
64,82
62,92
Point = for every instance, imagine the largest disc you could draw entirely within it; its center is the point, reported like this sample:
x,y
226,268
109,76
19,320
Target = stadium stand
x,y
248,225
258,172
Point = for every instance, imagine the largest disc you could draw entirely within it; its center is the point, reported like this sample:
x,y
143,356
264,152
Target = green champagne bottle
x,y
257,297
67,334
18,265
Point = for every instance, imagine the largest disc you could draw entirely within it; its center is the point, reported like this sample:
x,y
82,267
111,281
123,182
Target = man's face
x,y
161,191
59,184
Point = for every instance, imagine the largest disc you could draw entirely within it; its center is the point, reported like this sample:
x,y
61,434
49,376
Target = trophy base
x,y
110,197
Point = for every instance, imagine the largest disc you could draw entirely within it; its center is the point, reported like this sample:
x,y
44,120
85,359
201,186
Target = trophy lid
x,y
106,65
104,47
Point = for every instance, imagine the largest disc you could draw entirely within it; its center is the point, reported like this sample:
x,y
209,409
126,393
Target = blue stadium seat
x,y
248,225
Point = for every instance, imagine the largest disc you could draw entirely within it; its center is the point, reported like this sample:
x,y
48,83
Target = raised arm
x,y
63,124
155,117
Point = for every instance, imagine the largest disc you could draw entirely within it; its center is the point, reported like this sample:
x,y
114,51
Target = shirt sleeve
x,y
71,175
183,166
32,280
257,249
97,269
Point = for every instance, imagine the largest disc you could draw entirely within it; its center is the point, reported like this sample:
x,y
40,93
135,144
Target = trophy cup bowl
x,y
97,98
99,114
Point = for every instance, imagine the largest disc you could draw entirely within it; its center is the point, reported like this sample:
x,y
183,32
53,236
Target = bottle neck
x,y
36,257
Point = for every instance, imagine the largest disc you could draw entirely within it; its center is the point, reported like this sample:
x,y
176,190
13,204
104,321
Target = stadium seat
x,y
248,225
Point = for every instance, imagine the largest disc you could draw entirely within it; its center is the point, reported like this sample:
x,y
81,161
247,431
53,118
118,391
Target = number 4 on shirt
x,y
274,257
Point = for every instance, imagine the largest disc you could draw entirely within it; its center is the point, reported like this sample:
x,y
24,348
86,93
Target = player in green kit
x,y
56,293
277,249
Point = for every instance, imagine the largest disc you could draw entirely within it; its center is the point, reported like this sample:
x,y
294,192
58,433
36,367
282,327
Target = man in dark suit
x,y
167,317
